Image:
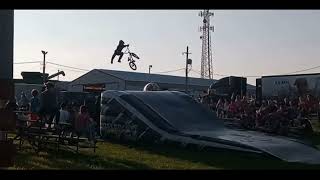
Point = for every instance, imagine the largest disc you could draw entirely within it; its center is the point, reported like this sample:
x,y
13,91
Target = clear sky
x,y
245,42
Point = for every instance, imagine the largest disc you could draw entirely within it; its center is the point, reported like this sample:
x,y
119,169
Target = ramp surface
x,y
194,120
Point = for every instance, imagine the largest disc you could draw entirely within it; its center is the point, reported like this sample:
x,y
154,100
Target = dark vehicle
x,y
225,87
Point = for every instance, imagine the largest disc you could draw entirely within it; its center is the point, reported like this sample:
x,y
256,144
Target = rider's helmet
x,y
151,87
121,42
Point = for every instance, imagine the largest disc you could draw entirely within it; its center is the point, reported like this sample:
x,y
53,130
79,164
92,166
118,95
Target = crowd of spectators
x,y
44,105
274,115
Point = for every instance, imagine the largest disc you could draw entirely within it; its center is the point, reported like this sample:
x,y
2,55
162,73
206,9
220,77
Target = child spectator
x,y
34,105
84,124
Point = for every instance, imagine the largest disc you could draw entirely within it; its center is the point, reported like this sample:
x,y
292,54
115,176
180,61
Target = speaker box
x,y
238,85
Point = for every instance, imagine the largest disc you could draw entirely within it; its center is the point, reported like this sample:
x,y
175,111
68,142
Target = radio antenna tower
x,y
206,55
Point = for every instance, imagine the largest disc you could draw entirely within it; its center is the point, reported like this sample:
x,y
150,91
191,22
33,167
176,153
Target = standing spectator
x,y
233,97
310,104
225,108
238,104
64,114
302,107
219,108
34,105
48,104
23,102
85,124
73,116
292,111
64,118
232,109
35,101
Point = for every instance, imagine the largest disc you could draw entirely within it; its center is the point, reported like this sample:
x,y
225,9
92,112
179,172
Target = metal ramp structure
x,y
159,116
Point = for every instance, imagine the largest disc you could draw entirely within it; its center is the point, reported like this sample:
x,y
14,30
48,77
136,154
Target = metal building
x,y
122,80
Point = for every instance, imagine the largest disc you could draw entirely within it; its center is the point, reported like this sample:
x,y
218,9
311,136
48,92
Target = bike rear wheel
x,y
132,65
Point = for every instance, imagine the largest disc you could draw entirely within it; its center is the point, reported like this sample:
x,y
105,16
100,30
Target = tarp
x,y
194,120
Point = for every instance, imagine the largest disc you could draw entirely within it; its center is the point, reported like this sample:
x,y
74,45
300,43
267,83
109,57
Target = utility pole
x,y
188,61
44,66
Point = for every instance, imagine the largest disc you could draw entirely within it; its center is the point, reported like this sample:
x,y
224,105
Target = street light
x,y
44,66
150,66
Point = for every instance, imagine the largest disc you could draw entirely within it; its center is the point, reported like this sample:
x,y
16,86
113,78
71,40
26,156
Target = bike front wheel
x,y
132,65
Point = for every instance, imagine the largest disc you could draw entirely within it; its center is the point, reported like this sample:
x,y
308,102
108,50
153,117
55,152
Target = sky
x,y
244,42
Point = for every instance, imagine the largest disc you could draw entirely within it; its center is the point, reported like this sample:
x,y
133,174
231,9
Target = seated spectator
x,y
271,106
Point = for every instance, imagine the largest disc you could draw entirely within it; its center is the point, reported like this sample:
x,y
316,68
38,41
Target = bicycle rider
x,y
118,51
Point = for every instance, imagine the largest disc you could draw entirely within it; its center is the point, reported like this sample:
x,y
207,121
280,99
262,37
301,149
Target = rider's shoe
x,y
119,61
111,62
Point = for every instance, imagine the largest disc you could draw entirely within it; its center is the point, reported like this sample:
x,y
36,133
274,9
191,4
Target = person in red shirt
x,y
232,109
310,104
84,123
302,107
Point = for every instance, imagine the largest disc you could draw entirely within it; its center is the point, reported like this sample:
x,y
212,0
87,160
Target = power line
x,y
67,66
29,62
196,72
315,67
51,67
169,71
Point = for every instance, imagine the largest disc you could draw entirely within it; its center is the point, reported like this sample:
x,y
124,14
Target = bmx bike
x,y
131,57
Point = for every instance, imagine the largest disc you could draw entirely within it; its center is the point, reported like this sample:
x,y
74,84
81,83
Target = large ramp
x,y
165,115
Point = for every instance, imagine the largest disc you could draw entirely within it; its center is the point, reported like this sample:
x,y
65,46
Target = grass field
x,y
112,155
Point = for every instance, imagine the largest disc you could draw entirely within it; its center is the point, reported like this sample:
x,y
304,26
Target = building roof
x,y
290,75
157,78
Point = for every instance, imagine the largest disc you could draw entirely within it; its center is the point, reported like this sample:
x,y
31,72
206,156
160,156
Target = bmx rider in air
x,y
118,51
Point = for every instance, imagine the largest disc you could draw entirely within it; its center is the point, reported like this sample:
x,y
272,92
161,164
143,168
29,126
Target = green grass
x,y
113,155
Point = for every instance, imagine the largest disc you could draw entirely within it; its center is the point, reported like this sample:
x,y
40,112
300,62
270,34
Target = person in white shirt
x,y
64,114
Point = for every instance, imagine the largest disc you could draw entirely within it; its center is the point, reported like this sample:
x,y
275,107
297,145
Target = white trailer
x,y
290,85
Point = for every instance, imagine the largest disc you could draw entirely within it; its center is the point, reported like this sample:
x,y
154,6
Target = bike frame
x,y
127,51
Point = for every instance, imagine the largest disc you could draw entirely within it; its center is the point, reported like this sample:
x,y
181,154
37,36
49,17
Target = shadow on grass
x,y
68,160
225,159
